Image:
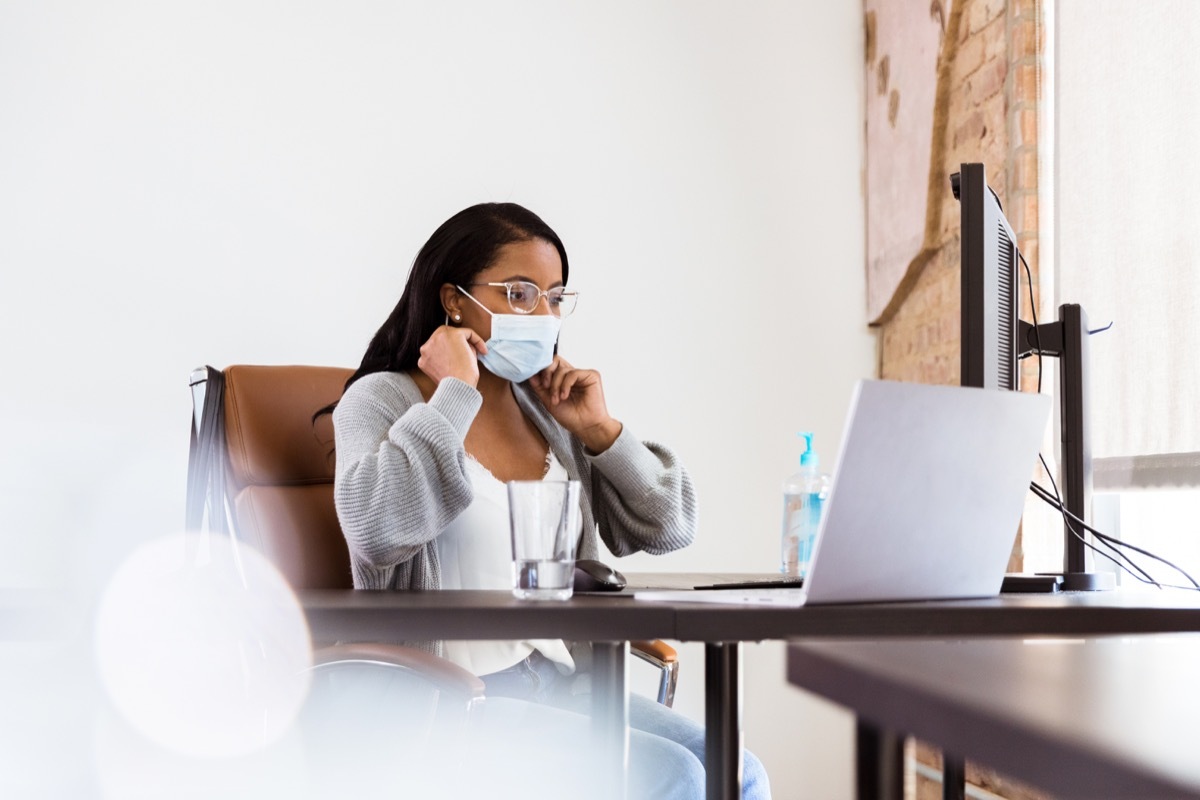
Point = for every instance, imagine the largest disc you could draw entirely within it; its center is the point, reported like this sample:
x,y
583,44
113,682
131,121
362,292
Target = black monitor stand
x,y
1067,339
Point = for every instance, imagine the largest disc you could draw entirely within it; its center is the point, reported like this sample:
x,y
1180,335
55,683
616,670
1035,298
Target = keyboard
x,y
758,583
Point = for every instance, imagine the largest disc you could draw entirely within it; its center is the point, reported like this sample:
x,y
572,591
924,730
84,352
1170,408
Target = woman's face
x,y
535,261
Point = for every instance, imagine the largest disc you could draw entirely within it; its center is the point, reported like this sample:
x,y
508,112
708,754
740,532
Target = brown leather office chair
x,y
263,472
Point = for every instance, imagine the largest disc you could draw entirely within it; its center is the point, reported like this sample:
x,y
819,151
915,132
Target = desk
x,y
1083,718
613,620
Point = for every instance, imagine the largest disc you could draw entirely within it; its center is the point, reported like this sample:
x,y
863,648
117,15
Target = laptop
x,y
925,500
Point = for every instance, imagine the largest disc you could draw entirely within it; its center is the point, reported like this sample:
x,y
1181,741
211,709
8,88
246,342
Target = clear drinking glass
x,y
545,525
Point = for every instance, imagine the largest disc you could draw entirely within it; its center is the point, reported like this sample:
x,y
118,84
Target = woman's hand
x,y
575,398
452,353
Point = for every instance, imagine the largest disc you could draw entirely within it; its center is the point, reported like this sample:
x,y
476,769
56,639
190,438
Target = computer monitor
x,y
994,339
989,284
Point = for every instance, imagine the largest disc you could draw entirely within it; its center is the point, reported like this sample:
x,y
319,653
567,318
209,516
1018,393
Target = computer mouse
x,y
594,576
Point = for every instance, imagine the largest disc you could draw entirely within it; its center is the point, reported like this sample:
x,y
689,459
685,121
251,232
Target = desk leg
x,y
610,712
723,720
879,770
954,777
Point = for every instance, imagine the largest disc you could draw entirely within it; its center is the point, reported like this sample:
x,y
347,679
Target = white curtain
x,y
1127,226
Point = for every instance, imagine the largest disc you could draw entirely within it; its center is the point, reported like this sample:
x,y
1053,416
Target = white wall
x,y
224,182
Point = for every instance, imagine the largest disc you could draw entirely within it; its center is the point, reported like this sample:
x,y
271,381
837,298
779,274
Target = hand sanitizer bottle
x,y
804,496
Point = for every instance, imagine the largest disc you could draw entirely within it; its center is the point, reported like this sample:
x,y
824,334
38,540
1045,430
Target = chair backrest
x,y
281,466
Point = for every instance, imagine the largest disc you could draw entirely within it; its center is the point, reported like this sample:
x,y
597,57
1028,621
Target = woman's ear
x,y
452,302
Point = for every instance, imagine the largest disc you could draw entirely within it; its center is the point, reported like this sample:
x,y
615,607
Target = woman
x,y
462,390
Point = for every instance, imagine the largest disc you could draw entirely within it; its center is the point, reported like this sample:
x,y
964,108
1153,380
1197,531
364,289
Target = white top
x,y
475,552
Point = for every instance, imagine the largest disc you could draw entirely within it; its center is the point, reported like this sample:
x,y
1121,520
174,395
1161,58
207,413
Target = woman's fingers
x,y
476,341
556,383
566,379
575,398
560,382
569,380
545,379
451,353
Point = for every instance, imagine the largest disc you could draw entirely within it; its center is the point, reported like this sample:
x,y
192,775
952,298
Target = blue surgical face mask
x,y
521,345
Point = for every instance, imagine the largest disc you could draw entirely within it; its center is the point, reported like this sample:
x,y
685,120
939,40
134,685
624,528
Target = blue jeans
x,y
666,749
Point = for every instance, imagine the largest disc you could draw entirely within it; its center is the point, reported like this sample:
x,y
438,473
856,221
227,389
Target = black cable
x,y
1058,503
1147,579
1045,496
1062,507
1111,541
1037,334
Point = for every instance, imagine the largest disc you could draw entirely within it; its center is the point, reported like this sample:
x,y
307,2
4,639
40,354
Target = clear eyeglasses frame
x,y
523,297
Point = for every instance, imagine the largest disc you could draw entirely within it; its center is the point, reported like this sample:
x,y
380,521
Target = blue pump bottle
x,y
804,495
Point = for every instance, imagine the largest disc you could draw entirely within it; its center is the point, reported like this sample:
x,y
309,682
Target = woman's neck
x,y
496,392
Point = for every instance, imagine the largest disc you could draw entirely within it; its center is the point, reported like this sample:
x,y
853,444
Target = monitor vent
x,y
1006,324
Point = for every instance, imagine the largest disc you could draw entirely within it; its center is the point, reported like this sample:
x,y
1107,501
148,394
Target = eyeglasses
x,y
523,297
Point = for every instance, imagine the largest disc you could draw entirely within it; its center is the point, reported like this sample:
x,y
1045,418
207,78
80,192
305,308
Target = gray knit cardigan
x,y
401,479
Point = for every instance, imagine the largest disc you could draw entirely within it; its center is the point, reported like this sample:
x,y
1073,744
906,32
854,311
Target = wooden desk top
x,y
1081,717
400,616
350,615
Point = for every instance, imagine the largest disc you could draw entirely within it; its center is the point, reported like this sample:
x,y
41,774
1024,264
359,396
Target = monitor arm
x,y
1067,340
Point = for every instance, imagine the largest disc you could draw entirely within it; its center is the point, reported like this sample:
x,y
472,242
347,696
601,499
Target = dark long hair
x,y
461,248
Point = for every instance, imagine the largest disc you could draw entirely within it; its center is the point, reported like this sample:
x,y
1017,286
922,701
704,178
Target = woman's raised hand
x,y
452,353
575,398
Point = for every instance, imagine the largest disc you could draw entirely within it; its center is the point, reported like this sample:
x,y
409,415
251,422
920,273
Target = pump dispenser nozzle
x,y
809,457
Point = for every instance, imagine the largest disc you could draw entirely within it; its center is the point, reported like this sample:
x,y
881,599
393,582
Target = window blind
x,y
1127,227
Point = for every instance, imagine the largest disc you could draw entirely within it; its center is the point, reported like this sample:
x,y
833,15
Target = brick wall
x,y
930,788
986,110
920,340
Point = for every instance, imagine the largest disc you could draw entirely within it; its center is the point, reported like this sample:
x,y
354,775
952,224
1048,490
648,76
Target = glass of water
x,y
545,527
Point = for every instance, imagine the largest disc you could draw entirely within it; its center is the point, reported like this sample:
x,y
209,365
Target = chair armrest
x,y
657,649
662,657
445,675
